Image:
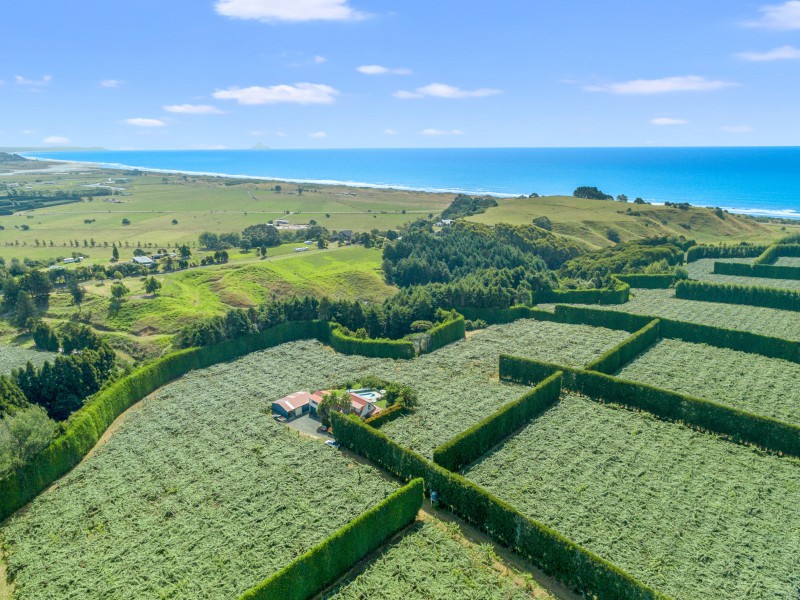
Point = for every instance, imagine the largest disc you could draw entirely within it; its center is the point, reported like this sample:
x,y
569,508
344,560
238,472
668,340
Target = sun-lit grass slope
x,y
703,270
663,303
687,513
15,357
352,273
589,220
197,204
757,384
432,560
198,494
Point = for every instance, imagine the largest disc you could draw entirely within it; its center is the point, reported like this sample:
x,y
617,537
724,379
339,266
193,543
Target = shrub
x,y
544,223
321,566
44,337
23,435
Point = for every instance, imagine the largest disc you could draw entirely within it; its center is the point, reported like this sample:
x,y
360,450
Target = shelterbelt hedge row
x,y
743,251
738,294
743,341
374,348
445,333
739,425
501,316
763,271
773,253
619,356
386,416
658,281
476,441
555,554
619,294
321,566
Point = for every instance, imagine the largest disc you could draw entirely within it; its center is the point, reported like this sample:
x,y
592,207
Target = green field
x,y
788,261
590,220
198,204
199,493
703,270
350,272
757,384
688,513
663,303
432,560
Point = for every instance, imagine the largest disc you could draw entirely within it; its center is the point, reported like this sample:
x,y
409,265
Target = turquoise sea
x,y
753,180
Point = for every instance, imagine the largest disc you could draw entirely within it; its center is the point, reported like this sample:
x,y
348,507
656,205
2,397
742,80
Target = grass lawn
x,y
757,384
688,513
589,220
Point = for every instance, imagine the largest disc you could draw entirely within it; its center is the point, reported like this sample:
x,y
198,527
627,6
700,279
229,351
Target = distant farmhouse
x,y
362,403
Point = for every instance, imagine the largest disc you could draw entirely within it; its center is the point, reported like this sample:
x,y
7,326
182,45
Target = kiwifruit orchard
x,y
691,515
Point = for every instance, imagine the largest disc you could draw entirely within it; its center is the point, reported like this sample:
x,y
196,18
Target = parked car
x,y
332,443
279,418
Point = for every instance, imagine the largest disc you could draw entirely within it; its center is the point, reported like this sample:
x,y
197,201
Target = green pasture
x,y
590,220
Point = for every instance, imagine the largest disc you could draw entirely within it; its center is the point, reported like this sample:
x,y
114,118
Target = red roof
x,y
294,401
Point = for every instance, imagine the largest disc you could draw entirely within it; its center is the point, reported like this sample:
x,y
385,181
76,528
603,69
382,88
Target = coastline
x,y
745,211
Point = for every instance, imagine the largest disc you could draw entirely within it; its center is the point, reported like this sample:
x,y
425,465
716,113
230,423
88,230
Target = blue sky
x,y
152,74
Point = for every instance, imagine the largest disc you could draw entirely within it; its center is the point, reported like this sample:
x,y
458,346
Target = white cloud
x,y
736,129
300,93
668,121
110,83
436,132
442,90
270,11
318,60
20,80
193,109
143,122
779,16
280,134
28,132
689,83
782,53
56,140
389,132
318,135
381,70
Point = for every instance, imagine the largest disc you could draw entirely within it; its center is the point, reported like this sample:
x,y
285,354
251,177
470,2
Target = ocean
x,y
761,181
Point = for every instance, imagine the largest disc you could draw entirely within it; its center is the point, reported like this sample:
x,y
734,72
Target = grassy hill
x,y
590,220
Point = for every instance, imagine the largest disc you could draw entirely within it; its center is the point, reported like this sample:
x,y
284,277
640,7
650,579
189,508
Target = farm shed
x,y
293,405
143,260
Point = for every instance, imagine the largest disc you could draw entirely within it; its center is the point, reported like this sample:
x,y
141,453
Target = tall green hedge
x,y
738,294
380,348
616,358
611,319
386,416
768,257
551,551
321,566
476,441
773,435
85,427
445,333
659,281
754,270
501,316
620,294
742,251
